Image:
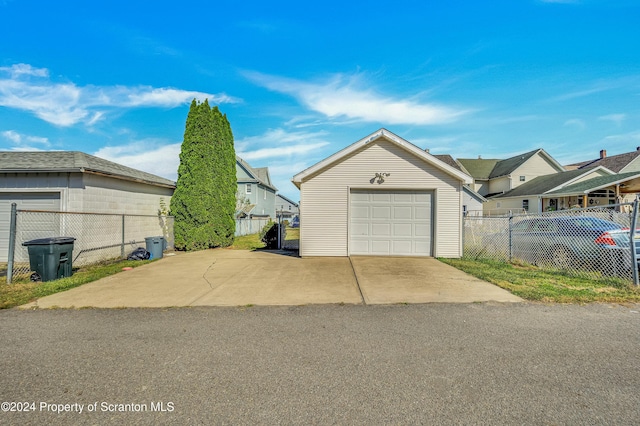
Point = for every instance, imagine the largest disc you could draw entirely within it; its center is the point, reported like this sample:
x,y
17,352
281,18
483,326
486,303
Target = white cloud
x,y
277,143
617,119
344,97
17,70
625,138
65,104
146,155
575,122
21,139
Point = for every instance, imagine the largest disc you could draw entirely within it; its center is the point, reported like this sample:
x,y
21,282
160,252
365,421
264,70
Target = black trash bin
x,y
51,258
155,246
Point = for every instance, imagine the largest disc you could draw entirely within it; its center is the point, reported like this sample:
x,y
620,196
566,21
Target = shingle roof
x,y
259,175
615,163
479,169
595,183
542,184
447,159
73,161
505,167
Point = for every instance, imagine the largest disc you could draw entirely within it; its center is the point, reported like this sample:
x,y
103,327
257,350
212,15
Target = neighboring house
x,y
69,181
381,196
286,208
255,187
559,191
471,201
621,163
492,177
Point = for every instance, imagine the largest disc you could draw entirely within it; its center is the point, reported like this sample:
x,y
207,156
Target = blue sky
x,y
301,81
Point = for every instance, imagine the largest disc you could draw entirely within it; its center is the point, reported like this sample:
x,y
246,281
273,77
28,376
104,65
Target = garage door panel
x,y
402,212
380,247
402,197
384,197
402,247
402,230
395,223
424,197
360,229
421,230
381,230
422,213
379,212
360,212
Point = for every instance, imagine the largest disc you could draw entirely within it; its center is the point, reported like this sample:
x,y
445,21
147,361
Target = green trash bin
x,y
50,258
155,246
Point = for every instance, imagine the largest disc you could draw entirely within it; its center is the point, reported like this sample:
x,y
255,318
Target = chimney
x,y
603,153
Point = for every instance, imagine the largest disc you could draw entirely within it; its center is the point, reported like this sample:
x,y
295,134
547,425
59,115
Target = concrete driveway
x,y
225,277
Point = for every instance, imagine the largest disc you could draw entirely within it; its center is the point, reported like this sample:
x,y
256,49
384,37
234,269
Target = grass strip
x,y
22,291
532,283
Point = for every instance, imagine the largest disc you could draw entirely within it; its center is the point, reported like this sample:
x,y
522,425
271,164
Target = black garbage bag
x,y
139,254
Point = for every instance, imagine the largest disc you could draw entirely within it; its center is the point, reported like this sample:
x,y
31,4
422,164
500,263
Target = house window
x,y
525,205
289,207
248,189
522,178
265,193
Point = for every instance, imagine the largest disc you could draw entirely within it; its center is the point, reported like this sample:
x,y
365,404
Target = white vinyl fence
x,y
249,226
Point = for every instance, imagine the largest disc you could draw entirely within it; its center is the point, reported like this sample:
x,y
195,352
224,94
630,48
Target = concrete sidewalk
x,y
224,277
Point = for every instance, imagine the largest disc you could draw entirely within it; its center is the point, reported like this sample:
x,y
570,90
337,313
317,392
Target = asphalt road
x,y
414,364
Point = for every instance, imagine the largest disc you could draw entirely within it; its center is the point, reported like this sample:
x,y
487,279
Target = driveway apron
x,y
385,280
224,277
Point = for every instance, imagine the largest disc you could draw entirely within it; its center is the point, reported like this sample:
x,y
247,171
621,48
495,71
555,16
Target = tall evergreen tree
x,y
203,203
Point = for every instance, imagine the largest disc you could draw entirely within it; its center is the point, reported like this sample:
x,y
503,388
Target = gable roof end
x,y
390,137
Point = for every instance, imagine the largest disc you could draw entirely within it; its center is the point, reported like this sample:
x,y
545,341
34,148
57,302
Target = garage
x,y
390,223
382,196
49,201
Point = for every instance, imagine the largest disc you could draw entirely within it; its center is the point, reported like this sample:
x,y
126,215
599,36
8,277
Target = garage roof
x,y
74,162
390,137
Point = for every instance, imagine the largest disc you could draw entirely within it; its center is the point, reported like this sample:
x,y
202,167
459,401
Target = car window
x,y
593,223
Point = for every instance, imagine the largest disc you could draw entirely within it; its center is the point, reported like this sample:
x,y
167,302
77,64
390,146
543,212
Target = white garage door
x,y
27,201
388,223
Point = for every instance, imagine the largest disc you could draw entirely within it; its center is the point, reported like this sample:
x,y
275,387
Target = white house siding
x,y
594,174
535,166
324,200
498,185
473,205
503,205
633,166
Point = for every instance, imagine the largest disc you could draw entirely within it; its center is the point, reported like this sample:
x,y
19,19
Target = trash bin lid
x,y
49,241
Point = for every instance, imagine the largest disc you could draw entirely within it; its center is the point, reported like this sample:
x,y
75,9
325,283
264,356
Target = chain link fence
x,y
99,237
590,242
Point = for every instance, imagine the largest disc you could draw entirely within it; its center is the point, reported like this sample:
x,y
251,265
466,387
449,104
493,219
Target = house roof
x,y
446,158
389,137
74,162
288,200
479,168
258,175
542,184
594,184
615,163
474,194
482,169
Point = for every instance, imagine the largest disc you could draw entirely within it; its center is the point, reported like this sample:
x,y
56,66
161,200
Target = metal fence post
x,y
632,242
122,246
510,240
12,242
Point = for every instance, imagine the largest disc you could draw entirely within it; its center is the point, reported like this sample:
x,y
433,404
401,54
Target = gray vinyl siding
x,y
324,198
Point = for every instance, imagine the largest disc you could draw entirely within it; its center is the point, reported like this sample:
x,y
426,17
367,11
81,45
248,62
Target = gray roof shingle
x,y
73,161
